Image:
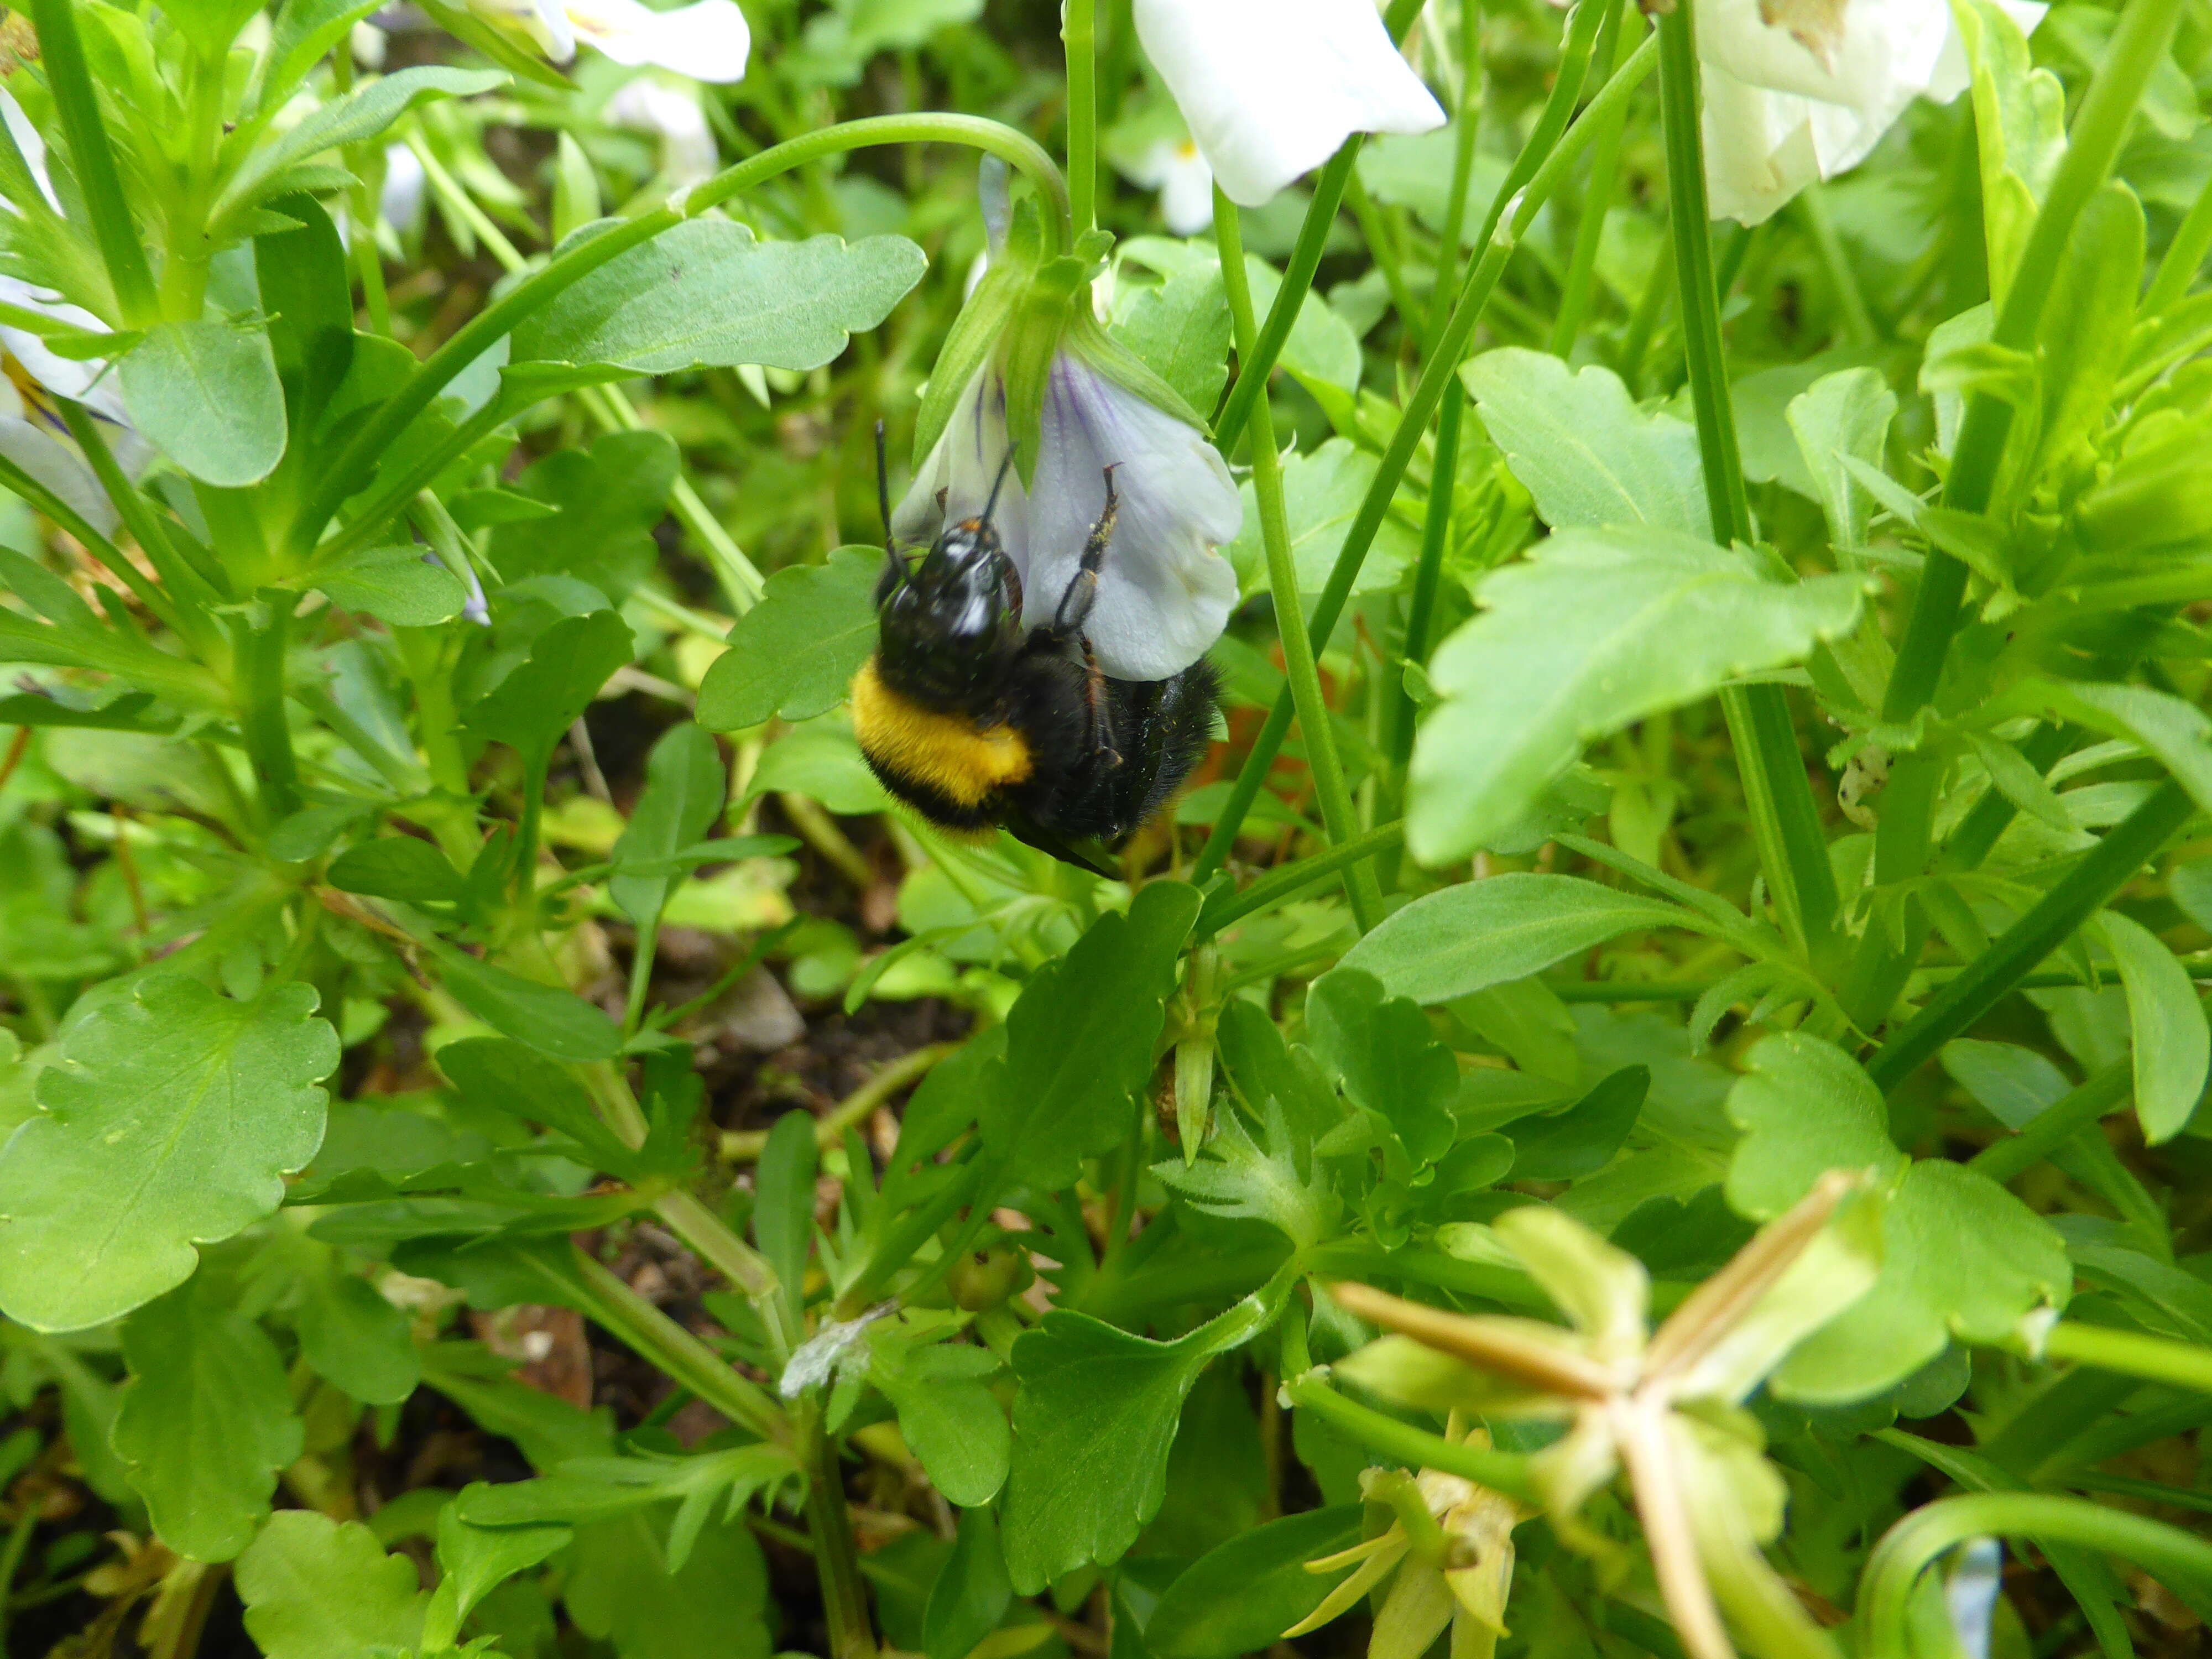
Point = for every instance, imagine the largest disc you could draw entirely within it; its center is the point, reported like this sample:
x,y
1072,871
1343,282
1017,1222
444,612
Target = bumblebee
x,y
974,721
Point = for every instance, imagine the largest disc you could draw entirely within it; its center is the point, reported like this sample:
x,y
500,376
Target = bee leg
x,y
1100,716
1083,593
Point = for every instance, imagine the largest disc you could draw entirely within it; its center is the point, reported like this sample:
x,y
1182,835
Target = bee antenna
x,y
997,484
883,489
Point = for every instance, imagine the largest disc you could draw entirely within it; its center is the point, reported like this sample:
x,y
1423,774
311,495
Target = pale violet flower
x,y
400,201
1803,90
1164,594
32,377
687,143
1269,89
708,41
1175,169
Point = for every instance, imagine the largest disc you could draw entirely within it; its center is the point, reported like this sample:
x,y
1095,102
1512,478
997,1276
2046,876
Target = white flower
x,y
400,202
687,144
1176,170
708,41
1807,95
32,434
34,147
1269,89
1163,593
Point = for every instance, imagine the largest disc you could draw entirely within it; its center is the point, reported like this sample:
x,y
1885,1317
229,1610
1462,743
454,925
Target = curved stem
x,y
1908,1548
2133,1353
1299,665
1505,1472
1286,881
1078,31
471,341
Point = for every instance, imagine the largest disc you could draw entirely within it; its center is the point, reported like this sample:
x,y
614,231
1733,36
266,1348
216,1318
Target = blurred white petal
x,y
34,147
1185,183
708,41
1784,108
368,42
543,22
1164,594
1269,89
687,143
400,201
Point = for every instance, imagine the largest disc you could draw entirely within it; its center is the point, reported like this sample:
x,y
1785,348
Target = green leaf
x,y
397,867
355,1339
1581,1140
971,1594
2087,321
607,499
1458,939
1591,458
507,1077
1840,417
683,797
2172,1044
783,1209
1094,1419
475,1560
2019,126
550,1018
306,294
1961,1257
1594,632
794,652
206,395
547,694
822,762
1179,330
715,1606
358,115
183,1110
1080,1041
1323,492
706,295
1805,1107
1240,1597
950,1419
316,1589
401,585
2179,734
1390,1059
205,1423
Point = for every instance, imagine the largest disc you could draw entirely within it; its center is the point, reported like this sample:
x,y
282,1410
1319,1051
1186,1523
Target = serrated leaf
x,y
314,1588
1595,631
1840,419
1080,1041
1446,944
2172,1045
503,1074
206,395
1591,458
601,505
794,652
1181,331
355,1339
707,295
205,1423
1323,492
1390,1059
2177,733
397,867
183,1110
1805,1107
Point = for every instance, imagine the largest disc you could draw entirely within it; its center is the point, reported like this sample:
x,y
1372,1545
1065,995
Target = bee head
x,y
952,622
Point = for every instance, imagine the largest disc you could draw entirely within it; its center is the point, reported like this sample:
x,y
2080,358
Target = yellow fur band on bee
x,y
949,753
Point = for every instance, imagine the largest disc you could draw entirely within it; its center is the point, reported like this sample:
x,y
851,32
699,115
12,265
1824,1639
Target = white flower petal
x,y
1185,183
34,147
545,22
400,201
1269,89
1164,594
687,143
1779,115
708,41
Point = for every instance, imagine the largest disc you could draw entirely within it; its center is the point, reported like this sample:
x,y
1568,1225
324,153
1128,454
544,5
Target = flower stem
x,y
2055,1124
1498,244
836,1564
1785,823
2184,255
2133,1353
61,57
1285,881
1577,287
1505,1472
1436,532
1253,370
2103,871
1467,117
1079,33
259,678
1299,665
